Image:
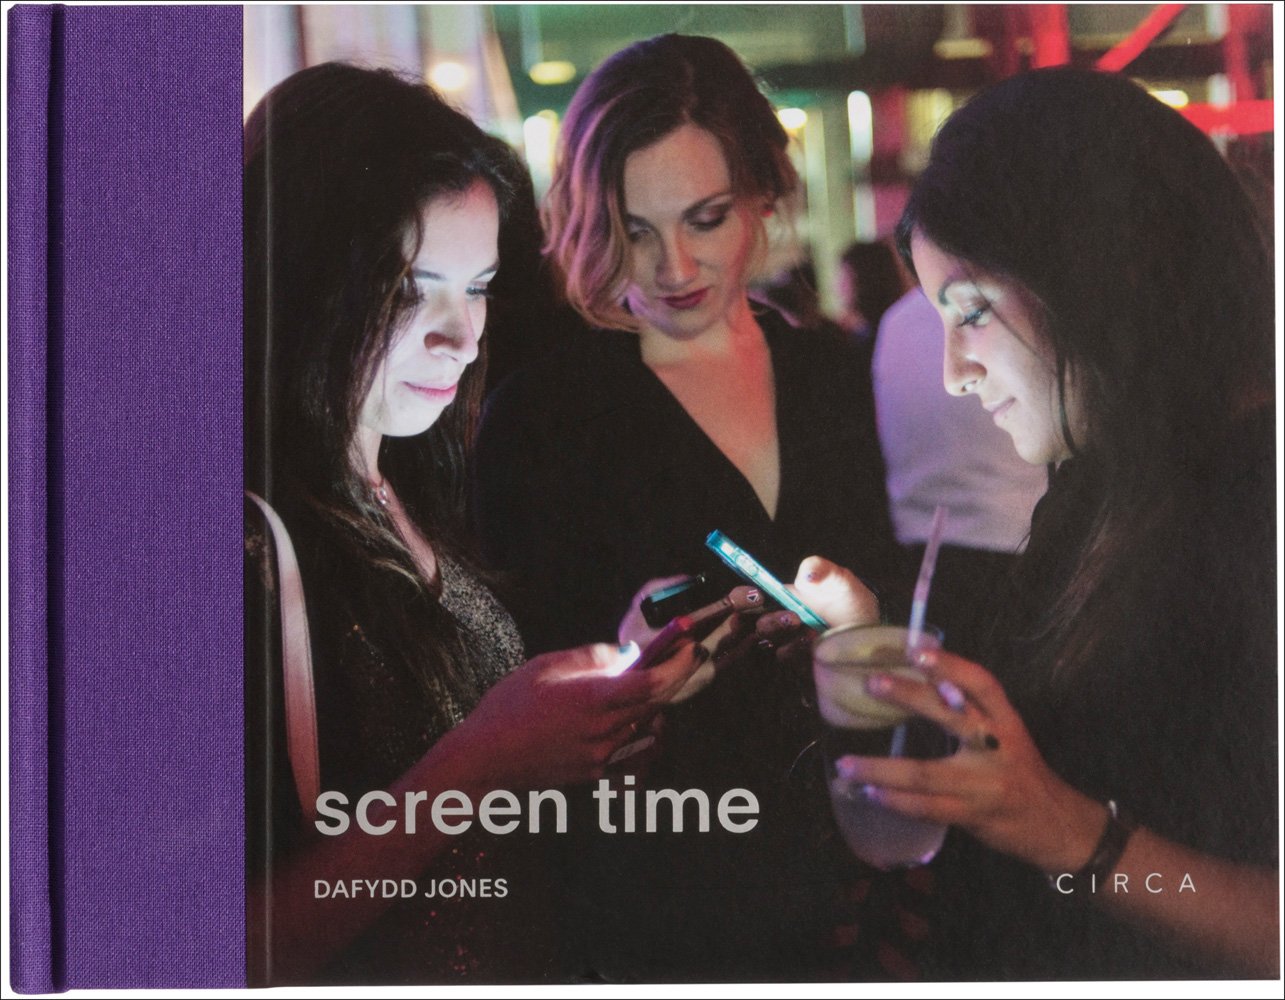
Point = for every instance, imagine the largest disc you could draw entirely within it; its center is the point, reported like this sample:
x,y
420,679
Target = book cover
x,y
127,862
447,51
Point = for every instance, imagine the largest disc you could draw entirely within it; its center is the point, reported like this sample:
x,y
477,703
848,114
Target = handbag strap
x,y
296,666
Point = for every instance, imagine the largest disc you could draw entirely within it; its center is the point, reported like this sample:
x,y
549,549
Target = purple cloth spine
x,y
125,477
30,32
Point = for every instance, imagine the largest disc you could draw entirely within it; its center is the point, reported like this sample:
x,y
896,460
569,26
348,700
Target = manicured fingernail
x,y
845,768
951,695
815,575
788,619
878,685
628,654
629,749
870,792
926,658
753,596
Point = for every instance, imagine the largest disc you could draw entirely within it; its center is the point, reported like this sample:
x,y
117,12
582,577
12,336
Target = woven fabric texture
x,y
126,830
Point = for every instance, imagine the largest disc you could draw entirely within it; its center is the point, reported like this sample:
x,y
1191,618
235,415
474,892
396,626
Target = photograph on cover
x,y
635,591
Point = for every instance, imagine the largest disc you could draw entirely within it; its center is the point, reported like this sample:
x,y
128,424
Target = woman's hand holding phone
x,y
714,627
835,593
562,717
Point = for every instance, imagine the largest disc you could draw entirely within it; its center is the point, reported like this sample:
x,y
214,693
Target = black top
x,y
1176,721
374,723
593,479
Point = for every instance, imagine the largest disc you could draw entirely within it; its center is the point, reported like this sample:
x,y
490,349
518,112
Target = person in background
x,y
870,280
944,450
607,465
792,291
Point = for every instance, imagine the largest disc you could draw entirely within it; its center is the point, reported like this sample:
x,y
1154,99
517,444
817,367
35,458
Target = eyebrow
x,y
954,279
691,209
417,272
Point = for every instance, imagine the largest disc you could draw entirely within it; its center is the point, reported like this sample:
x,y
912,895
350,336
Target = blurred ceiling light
x,y
961,48
1219,90
925,111
552,72
537,135
958,40
449,76
861,127
1173,98
792,119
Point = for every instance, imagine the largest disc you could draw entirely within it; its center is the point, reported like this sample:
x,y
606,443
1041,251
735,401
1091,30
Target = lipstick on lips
x,y
437,395
998,411
689,301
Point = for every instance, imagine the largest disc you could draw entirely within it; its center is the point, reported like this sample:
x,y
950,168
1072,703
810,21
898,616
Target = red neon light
x,y
1143,35
1241,118
1051,35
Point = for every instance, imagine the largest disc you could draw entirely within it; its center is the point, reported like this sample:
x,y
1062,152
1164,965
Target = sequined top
x,y
374,723
372,718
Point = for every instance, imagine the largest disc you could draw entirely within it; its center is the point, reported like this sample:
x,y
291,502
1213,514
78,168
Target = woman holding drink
x,y
374,225
1106,293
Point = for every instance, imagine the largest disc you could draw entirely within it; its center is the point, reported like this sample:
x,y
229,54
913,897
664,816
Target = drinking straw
x,y
919,604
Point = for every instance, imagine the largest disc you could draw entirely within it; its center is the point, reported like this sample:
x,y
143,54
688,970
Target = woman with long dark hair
x,y
375,231
687,409
1106,292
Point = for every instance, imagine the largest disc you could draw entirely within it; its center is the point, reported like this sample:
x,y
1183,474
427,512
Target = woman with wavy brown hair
x,y
687,409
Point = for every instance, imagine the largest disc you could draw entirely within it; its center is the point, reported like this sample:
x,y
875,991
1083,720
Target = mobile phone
x,y
749,568
663,643
697,625
682,598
